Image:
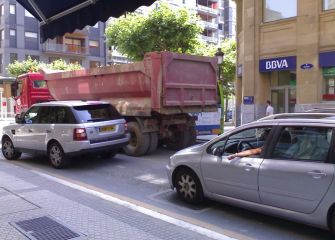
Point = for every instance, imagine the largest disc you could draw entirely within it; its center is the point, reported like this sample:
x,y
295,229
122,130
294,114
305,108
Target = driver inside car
x,y
250,152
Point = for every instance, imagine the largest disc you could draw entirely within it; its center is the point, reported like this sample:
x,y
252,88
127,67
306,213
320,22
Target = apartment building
x,y
19,39
218,18
286,54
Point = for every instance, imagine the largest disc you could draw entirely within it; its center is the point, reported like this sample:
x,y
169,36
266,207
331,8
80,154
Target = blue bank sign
x,y
278,64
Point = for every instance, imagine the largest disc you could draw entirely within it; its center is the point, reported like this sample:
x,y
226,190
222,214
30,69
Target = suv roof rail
x,y
305,115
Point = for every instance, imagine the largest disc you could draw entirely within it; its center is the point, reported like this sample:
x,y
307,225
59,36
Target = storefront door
x,y
283,99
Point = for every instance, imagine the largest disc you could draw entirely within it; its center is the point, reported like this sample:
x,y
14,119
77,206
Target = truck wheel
x,y
192,136
139,142
177,139
8,149
56,155
153,142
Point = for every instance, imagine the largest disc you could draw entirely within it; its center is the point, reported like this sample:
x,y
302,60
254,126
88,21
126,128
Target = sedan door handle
x,y
317,174
248,167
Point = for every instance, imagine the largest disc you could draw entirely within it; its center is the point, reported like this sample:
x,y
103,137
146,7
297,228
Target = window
x,y
12,32
12,57
93,43
52,115
276,10
94,64
96,113
243,140
32,57
27,14
31,116
12,9
30,34
2,10
39,84
328,4
303,143
2,34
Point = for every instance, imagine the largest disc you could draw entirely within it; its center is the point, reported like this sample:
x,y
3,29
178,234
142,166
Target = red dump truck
x,y
155,96
28,89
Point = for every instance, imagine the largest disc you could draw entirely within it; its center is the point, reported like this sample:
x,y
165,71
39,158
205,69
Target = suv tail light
x,y
79,134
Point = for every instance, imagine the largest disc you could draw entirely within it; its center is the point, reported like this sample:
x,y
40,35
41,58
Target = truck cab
x,y
28,89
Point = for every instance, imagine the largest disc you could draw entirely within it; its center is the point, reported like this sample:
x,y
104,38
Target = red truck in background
x,y
156,96
28,89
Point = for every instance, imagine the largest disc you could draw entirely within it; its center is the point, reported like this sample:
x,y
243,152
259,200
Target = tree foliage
x,y
163,29
21,67
228,68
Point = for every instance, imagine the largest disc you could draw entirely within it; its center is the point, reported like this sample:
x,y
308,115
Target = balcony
x,y
209,25
210,39
68,49
207,10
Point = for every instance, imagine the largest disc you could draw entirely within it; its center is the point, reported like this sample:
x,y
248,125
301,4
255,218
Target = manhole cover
x,y
44,228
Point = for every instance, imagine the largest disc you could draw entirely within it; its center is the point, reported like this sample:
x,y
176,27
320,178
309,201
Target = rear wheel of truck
x,y
139,142
153,142
192,136
177,138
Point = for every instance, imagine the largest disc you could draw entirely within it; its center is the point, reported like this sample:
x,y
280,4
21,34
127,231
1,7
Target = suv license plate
x,y
107,128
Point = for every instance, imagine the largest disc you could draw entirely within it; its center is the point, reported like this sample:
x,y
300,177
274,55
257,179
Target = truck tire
x,y
178,138
192,136
139,142
153,142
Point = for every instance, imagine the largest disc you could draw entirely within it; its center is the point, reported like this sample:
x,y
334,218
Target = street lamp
x,y
220,56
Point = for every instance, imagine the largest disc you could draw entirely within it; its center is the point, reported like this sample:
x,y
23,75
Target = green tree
x,y
228,68
163,29
21,67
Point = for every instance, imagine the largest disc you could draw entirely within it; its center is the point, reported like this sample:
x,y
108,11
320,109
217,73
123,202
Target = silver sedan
x,y
290,177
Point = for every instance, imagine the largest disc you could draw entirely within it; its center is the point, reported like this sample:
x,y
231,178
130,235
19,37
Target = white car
x,y
62,129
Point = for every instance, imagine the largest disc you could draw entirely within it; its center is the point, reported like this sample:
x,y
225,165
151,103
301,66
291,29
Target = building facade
x,y
286,54
19,33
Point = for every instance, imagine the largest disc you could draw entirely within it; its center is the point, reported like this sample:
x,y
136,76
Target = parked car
x,y
292,177
62,129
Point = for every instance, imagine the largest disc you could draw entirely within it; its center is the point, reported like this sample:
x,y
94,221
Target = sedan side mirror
x,y
218,151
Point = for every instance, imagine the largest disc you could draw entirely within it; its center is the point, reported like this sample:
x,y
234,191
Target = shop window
x,y
283,78
329,84
93,44
328,4
277,10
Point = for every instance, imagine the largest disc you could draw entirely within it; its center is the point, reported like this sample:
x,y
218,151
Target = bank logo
x,y
276,64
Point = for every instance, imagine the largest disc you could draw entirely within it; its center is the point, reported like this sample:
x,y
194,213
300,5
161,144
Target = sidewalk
x,y
36,206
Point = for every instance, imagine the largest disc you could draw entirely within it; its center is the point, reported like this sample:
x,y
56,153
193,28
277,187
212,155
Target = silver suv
x,y
291,174
62,129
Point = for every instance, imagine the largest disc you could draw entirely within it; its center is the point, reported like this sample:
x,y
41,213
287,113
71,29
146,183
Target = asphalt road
x,y
144,179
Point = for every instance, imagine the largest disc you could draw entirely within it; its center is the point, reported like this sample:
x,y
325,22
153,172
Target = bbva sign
x,y
277,64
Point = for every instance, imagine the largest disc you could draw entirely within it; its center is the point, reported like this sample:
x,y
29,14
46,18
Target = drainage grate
x,y
45,228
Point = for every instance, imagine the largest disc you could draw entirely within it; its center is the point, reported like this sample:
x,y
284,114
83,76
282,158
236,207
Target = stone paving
x,y
26,195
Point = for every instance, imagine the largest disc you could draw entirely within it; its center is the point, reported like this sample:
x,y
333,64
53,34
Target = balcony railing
x,y
207,10
210,39
209,25
65,48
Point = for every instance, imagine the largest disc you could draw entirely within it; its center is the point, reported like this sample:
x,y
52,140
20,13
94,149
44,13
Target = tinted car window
x,y
96,113
31,115
56,114
303,143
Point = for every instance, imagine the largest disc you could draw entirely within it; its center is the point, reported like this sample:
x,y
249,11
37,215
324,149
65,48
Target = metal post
x,y
220,86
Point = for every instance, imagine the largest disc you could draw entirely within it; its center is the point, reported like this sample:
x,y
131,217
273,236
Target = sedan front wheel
x,y
188,186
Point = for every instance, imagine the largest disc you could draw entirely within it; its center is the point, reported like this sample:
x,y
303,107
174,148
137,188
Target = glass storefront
x,y
328,84
283,91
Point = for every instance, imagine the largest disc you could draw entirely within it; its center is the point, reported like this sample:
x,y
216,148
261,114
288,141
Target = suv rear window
x,y
96,113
